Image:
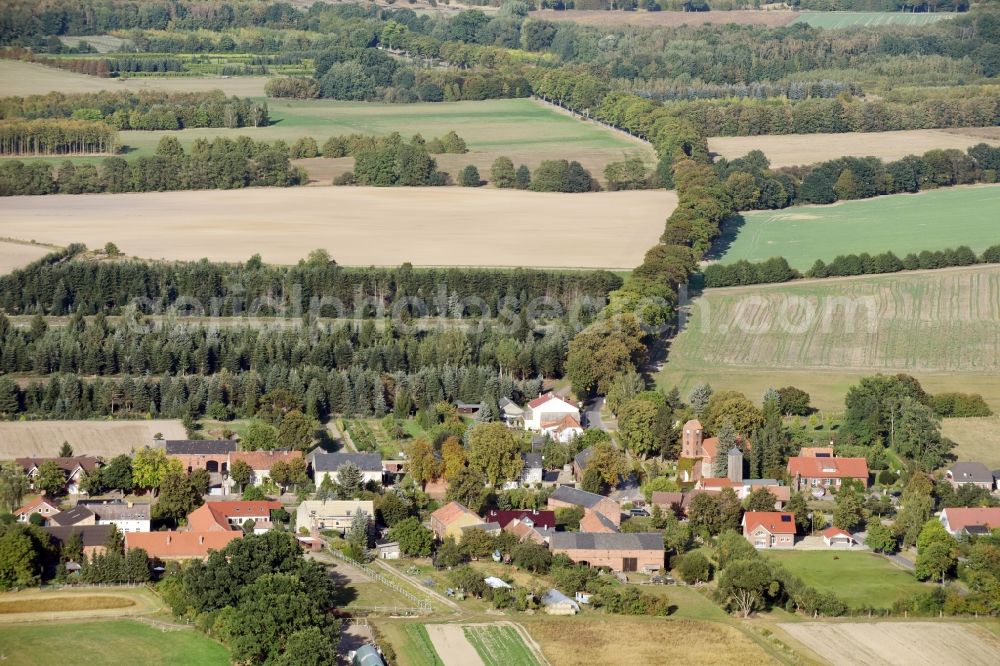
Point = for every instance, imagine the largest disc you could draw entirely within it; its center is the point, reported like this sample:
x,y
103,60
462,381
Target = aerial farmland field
x,y
95,438
822,335
901,223
870,19
800,149
426,226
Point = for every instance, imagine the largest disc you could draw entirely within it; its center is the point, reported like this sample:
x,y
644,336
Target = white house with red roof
x,y
769,529
39,505
821,473
834,537
555,415
977,520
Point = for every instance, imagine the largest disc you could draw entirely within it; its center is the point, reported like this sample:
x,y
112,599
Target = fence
x,y
423,607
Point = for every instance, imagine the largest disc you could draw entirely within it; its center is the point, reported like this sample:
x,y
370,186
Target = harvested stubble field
x,y
799,149
16,255
597,17
977,438
93,438
26,78
903,223
427,226
898,643
598,639
941,326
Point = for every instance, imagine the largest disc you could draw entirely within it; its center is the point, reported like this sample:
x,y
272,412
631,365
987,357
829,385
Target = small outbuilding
x,y
387,550
835,537
557,603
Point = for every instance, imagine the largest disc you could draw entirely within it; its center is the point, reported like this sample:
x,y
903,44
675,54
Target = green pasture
x,y
860,579
869,19
113,643
903,223
499,645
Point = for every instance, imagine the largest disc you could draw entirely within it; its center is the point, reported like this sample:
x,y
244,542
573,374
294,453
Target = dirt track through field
x,y
902,643
452,646
426,226
799,149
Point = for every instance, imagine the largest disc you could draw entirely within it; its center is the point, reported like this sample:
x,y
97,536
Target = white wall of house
x,y
553,410
367,476
129,525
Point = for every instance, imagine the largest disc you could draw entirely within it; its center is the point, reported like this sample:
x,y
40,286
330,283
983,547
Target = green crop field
x,y
499,646
902,223
864,19
115,643
860,579
822,335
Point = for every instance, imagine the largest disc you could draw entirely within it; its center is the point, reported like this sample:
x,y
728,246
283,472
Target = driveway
x,y
592,414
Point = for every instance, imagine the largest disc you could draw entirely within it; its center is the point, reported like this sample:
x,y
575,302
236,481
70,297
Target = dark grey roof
x,y
532,460
72,516
611,541
200,446
331,462
577,496
604,520
583,457
118,510
970,472
92,535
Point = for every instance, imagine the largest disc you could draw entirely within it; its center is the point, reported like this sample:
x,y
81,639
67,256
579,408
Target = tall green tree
x,y
495,453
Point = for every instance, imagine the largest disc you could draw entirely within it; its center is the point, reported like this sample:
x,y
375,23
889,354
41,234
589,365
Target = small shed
x,y
387,550
834,537
367,655
557,603
309,543
496,583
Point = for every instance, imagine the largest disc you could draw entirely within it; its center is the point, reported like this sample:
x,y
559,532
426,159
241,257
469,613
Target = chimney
x,y
201,539
169,538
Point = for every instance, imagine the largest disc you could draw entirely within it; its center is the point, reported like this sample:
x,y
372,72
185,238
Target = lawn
x,y
499,645
869,19
902,223
977,438
63,604
120,642
804,334
859,579
417,650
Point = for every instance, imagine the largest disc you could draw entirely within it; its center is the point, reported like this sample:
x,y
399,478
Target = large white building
x,y
327,464
554,415
331,514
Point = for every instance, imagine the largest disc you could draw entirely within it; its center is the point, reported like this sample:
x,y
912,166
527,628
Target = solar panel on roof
x,y
786,519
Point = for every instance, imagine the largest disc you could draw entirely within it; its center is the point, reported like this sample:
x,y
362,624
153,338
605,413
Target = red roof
x,y
542,399
835,531
452,511
828,468
710,447
215,515
720,483
693,424
775,522
32,507
179,545
562,424
960,518
263,459
538,518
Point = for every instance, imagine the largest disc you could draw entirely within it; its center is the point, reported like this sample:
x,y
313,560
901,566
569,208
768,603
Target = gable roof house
x,y
326,464
260,462
229,516
533,517
126,516
547,413
95,537
958,520
618,551
75,468
580,462
769,529
451,519
208,454
594,521
527,531
510,413
566,497
39,505
78,515
531,472
331,514
972,473
821,473
678,502
175,545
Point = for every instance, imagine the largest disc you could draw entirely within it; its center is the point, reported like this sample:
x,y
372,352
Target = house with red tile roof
x,y
261,461
550,411
769,529
176,545
452,518
808,473
835,537
43,507
978,520
228,516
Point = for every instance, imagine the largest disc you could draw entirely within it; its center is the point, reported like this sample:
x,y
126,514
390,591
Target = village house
x,y
769,529
971,473
78,515
75,468
174,545
210,455
678,502
327,464
94,537
553,415
531,472
39,505
229,516
316,515
449,520
959,520
566,497
511,414
532,517
126,516
580,462
626,552
824,472
525,530
260,462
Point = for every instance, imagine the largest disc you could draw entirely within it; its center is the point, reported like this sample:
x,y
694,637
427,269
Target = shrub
x,y
469,177
694,568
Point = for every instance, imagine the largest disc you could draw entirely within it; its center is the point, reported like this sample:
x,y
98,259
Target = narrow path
x,y
342,437
452,646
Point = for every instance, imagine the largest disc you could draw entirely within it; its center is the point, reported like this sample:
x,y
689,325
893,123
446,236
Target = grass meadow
x,y
902,223
860,579
977,438
115,643
823,335
869,19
